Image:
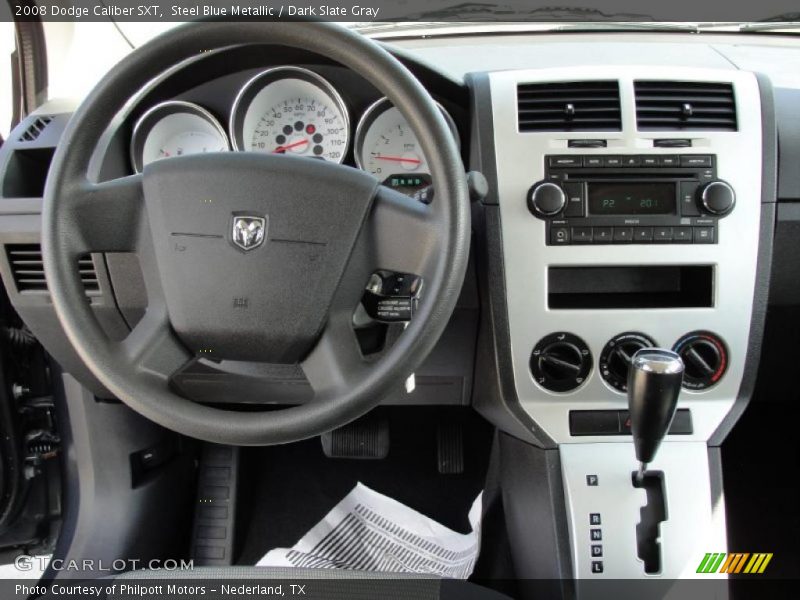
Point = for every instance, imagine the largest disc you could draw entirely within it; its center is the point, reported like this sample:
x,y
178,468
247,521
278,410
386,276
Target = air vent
x,y
35,129
684,105
570,106
28,269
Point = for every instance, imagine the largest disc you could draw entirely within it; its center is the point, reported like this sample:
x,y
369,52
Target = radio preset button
x,y
682,235
581,235
623,234
603,235
662,234
642,234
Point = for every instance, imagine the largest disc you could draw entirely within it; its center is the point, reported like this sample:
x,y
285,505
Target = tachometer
x,y
175,128
293,111
386,146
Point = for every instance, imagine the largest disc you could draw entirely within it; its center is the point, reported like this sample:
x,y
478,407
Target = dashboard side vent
x,y
569,106
27,269
35,129
685,105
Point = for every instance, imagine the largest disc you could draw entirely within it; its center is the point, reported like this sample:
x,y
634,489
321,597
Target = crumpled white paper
x,y
368,531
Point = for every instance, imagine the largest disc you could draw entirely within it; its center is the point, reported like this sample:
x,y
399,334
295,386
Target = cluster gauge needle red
x,y
296,144
400,159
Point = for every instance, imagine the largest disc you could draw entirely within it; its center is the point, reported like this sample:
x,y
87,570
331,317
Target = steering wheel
x,y
325,229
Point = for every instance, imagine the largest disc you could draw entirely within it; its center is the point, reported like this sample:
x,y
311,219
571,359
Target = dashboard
x,y
631,202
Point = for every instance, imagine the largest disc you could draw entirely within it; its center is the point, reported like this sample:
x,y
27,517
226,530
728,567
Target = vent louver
x,y
569,106
684,105
28,270
35,129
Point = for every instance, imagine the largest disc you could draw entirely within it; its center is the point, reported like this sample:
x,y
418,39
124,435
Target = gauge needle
x,y
415,161
290,146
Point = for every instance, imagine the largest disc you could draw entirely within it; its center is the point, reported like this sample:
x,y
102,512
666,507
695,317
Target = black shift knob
x,y
654,383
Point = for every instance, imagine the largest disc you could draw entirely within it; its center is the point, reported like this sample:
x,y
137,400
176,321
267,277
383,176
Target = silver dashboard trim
x,y
520,163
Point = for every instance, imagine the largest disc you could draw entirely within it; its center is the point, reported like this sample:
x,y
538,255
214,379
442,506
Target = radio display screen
x,y
631,198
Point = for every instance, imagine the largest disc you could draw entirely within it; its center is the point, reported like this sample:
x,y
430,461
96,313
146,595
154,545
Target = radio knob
x,y
546,199
717,198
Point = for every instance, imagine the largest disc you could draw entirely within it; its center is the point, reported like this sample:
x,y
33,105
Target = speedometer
x,y
386,146
175,128
292,111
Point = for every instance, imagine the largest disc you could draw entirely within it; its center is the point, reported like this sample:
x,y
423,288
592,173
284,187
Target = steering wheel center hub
x,y
250,248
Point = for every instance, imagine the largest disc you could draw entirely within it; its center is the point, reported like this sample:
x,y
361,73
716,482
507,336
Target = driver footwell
x,y
285,490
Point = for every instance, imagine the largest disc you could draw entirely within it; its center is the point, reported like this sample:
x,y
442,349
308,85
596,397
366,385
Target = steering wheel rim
x,y
80,216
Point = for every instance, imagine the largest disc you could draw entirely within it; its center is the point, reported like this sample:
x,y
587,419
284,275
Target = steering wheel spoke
x,y
403,234
153,347
105,216
336,361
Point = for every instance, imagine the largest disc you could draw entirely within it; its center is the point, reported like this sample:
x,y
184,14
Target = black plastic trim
x,y
495,395
769,183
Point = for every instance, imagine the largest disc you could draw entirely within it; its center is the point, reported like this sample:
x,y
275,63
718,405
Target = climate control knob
x,y
705,358
615,359
560,362
546,199
717,198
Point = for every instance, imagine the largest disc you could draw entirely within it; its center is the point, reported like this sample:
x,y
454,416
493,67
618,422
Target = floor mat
x,y
285,490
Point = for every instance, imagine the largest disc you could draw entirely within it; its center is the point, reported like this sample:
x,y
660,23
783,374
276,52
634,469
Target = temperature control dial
x,y
705,358
717,198
546,199
561,362
615,359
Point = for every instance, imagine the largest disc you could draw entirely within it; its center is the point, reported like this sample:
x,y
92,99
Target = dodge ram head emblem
x,y
248,231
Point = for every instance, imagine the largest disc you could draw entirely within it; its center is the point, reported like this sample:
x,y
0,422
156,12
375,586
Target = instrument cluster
x,y
289,110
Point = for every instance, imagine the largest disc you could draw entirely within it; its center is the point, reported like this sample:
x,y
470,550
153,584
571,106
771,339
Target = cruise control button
x,y
559,236
682,234
623,234
642,234
581,235
662,234
603,235
696,160
703,235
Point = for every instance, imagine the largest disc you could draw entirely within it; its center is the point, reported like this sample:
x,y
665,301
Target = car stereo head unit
x,y
640,199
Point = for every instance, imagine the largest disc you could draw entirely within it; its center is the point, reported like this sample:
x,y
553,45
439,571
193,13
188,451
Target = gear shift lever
x,y
654,383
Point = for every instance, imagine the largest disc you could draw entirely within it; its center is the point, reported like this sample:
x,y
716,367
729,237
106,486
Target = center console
x,y
630,203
